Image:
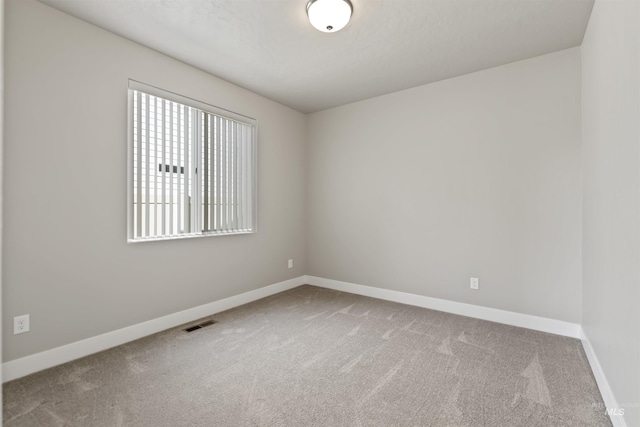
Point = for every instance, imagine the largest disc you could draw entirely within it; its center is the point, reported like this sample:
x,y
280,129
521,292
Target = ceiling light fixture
x,y
329,16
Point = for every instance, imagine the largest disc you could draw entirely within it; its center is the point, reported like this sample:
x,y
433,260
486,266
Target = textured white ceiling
x,y
269,47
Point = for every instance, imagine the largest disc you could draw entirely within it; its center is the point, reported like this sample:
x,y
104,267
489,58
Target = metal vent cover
x,y
199,326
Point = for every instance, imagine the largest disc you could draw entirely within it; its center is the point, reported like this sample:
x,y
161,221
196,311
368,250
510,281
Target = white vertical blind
x,y
192,170
226,172
164,175
218,155
146,184
170,167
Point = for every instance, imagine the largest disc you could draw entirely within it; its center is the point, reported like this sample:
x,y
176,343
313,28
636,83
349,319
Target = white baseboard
x,y
37,362
543,324
30,364
605,390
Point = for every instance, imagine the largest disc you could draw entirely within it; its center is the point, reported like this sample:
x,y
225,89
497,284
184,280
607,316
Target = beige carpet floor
x,y
316,357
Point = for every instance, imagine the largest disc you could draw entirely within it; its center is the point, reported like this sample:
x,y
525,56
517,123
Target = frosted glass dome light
x,y
329,16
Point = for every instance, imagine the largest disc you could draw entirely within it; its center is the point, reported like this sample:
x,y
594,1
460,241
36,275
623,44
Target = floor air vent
x,y
200,326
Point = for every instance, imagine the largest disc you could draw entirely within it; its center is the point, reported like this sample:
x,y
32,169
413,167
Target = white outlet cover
x,y
474,283
290,263
21,324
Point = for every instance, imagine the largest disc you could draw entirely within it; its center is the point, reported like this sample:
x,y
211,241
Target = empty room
x,y
320,213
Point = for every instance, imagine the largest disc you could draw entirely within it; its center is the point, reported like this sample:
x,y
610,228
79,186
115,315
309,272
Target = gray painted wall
x,y
611,196
479,175
66,260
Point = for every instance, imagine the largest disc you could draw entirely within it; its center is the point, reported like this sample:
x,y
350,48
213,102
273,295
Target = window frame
x,y
134,85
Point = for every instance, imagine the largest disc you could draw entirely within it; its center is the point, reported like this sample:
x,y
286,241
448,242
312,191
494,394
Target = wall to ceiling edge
x,y
66,260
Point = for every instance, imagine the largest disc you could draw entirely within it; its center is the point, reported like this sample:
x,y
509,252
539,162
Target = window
x,y
192,167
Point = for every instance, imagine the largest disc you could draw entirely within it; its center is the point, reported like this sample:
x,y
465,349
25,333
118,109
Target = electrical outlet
x,y
21,324
474,283
290,263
